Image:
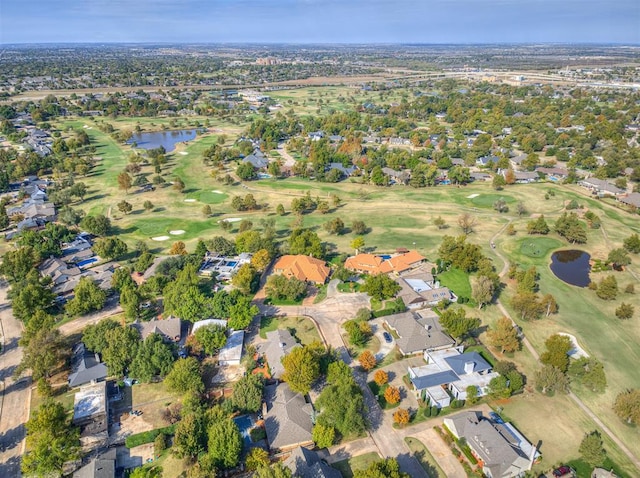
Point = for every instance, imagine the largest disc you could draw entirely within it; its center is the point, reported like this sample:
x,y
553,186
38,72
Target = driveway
x,y
385,347
14,411
396,371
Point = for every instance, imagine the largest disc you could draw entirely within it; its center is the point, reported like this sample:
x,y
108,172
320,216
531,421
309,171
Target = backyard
x,y
301,328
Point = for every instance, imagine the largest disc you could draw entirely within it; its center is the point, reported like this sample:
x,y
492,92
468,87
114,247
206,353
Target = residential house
x,y
419,289
207,322
418,332
601,187
457,162
65,277
170,328
487,160
521,177
479,176
399,142
517,161
398,177
222,266
632,200
102,466
305,463
346,171
384,264
304,268
316,135
86,367
554,174
336,138
258,160
287,418
231,353
448,373
91,414
279,343
501,451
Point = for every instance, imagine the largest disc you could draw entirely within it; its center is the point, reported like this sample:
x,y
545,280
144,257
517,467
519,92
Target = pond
x,y
167,139
572,267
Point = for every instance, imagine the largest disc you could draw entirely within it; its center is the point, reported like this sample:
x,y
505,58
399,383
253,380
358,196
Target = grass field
x,y
360,462
302,329
457,281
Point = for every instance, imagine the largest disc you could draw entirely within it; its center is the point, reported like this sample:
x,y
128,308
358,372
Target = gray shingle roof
x,y
287,418
434,379
169,328
103,466
305,463
457,362
86,367
280,343
418,332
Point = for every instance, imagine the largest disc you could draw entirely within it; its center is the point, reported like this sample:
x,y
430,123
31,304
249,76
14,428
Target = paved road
x,y
112,307
14,412
329,315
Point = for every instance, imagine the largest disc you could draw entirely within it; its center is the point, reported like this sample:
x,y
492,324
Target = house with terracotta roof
x,y
304,268
384,264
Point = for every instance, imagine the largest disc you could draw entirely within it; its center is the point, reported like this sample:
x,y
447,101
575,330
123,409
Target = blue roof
x,y
457,362
434,379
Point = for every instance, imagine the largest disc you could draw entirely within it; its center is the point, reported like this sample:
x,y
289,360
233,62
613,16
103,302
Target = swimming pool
x,y
231,263
245,424
86,262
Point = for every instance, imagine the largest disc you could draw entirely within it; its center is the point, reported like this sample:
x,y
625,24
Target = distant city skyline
x,y
320,21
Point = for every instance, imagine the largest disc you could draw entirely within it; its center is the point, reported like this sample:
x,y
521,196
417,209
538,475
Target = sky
x,y
320,21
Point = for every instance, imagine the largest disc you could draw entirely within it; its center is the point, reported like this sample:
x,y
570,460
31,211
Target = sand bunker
x,y
183,153
189,200
177,232
160,238
232,219
471,196
217,192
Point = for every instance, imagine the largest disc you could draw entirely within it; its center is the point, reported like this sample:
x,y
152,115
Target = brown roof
x,y
373,264
302,267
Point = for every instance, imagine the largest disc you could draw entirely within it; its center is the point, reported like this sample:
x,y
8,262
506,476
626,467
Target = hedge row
x,y
148,437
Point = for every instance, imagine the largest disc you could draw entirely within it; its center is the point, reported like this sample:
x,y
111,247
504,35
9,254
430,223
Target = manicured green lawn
x,y
538,246
360,462
457,281
303,329
584,469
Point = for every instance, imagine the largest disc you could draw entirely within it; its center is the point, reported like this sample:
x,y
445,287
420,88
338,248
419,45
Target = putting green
x,y
537,247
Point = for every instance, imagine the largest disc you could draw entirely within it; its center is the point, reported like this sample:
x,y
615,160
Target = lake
x,y
167,139
571,267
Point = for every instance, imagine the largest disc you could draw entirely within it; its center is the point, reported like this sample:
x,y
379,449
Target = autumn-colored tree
x,y
178,249
504,336
261,260
367,360
380,377
124,181
510,176
401,416
392,395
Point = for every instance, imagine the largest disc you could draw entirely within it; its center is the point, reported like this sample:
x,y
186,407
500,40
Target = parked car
x,y
562,471
387,337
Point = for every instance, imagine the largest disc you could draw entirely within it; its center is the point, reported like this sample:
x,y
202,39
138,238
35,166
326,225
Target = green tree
x,y
387,468
212,338
51,440
130,301
618,258
550,379
178,185
190,436
257,458
110,247
380,286
4,218
499,387
261,260
341,404
94,336
279,287
504,336
625,311
122,345
43,354
277,470
306,242
472,394
632,243
557,350
498,182
33,294
439,222
358,227
335,226
568,225
589,372
527,305
225,443
301,369
18,263
357,244
538,226
99,224
245,278
247,393
592,450
246,172
607,288
148,205
87,297
241,313
153,359
323,436
280,210
627,406
185,376
125,207
456,323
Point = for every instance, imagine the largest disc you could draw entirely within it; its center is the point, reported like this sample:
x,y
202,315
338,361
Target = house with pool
x,y
224,267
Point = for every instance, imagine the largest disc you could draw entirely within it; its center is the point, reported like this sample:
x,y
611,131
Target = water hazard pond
x,y
167,139
571,267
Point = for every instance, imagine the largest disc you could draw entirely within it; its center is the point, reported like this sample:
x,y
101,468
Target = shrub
x,y
257,434
457,404
380,377
401,416
367,360
392,395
